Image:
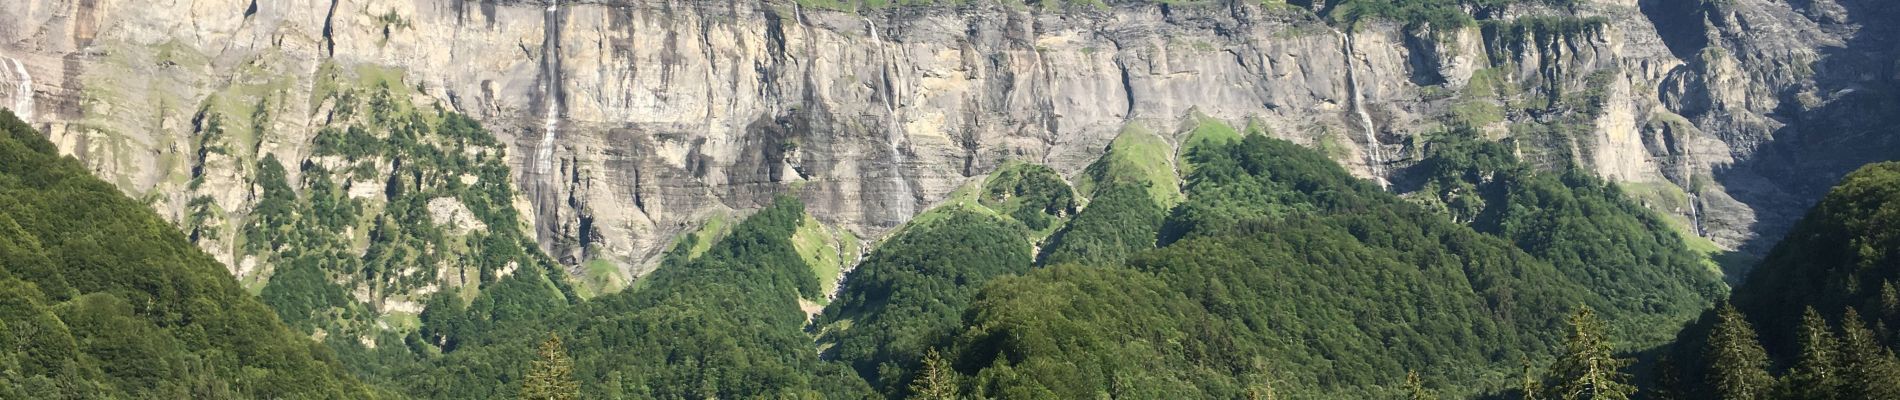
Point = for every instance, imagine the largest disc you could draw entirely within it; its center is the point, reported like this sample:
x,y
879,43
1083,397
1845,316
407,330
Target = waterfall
x,y
551,119
539,182
544,153
884,59
1375,160
904,208
23,97
1695,215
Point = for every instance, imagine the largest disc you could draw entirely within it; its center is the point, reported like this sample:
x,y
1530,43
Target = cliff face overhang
x,y
628,120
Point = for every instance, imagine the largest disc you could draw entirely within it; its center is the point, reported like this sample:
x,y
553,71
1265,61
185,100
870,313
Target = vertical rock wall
x,y
629,119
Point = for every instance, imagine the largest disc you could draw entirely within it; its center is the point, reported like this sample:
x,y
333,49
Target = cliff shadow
x,y
1679,23
1856,122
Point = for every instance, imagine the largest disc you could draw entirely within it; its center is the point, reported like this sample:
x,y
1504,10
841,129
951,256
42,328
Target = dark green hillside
x,y
1589,230
1334,279
1131,187
1845,254
1815,319
1280,273
908,296
725,324
100,298
1121,220
1073,331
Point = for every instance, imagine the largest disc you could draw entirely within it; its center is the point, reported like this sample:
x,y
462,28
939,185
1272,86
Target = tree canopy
x,y
100,298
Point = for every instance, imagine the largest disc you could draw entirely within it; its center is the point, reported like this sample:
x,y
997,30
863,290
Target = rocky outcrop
x,y
627,118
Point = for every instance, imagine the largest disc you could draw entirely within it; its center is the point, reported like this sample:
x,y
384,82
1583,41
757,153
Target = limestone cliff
x,y
629,120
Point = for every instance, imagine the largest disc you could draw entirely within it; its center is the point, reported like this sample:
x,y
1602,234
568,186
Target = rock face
x,y
628,119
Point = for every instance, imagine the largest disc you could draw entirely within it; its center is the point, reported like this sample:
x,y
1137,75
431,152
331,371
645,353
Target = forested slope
x,y
722,324
1279,273
1588,229
100,298
1267,270
1815,319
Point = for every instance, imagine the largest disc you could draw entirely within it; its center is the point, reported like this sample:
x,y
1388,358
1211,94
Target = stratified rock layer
x,y
629,119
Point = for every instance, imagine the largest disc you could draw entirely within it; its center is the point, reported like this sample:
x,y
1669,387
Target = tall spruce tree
x,y
552,376
1868,369
937,380
1588,369
1816,373
1738,367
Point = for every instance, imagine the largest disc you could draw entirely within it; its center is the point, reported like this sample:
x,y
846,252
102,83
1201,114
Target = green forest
x,y
100,298
1812,321
1232,265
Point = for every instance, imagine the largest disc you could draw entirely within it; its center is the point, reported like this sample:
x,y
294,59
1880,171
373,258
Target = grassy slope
x,y
1137,152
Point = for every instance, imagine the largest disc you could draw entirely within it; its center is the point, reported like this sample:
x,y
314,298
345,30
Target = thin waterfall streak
x,y
551,120
23,95
1375,159
894,136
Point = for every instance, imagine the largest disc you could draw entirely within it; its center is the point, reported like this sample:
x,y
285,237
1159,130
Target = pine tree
x,y
1588,368
1869,370
552,376
936,381
1738,367
1415,388
1816,374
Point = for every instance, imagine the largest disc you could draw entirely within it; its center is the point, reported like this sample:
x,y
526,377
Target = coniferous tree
x,y
1415,388
1533,384
552,376
936,381
1738,367
1816,374
1889,310
1588,369
1868,369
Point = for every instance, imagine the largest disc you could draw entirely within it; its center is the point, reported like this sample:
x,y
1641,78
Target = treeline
x,y
100,298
